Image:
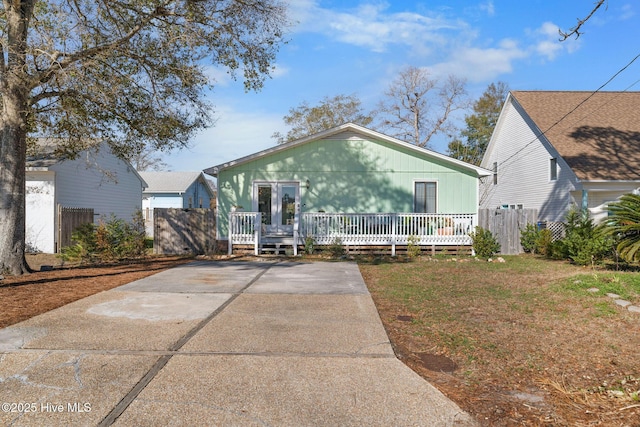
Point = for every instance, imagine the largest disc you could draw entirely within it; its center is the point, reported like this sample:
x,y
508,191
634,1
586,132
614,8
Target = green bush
x,y
584,243
309,245
111,240
623,224
544,244
528,238
83,247
413,246
484,243
336,248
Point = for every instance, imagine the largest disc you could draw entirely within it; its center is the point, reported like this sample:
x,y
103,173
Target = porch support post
x,y
230,233
585,203
394,221
257,226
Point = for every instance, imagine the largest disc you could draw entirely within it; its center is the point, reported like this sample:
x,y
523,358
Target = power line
x,y
575,108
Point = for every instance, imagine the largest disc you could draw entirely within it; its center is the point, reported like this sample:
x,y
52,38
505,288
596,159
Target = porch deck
x,y
379,229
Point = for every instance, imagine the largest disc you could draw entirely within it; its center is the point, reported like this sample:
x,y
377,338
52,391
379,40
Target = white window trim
x,y
413,190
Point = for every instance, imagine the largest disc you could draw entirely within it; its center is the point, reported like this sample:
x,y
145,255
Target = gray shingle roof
x,y
169,182
600,140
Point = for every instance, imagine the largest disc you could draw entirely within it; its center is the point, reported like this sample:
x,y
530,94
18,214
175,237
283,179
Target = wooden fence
x,y
506,224
68,220
184,231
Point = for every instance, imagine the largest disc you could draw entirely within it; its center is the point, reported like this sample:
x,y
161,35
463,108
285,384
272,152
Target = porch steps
x,y
276,244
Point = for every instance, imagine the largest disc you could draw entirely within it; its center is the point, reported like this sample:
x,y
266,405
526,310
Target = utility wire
x,y
574,109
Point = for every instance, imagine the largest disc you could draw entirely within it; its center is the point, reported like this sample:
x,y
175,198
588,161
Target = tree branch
x,y
576,30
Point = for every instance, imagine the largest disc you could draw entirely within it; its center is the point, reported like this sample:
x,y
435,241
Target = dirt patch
x,y
436,362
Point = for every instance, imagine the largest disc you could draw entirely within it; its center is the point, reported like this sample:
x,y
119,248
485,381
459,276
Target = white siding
x,y
40,212
523,169
100,181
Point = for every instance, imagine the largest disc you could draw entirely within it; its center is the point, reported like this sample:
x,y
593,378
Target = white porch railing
x,y
364,229
389,228
244,229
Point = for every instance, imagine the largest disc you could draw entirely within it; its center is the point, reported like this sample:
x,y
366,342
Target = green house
x,y
347,170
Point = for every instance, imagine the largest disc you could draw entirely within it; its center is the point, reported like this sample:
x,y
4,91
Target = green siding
x,y
350,176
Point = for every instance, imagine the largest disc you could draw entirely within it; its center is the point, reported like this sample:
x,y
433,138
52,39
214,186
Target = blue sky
x,y
358,47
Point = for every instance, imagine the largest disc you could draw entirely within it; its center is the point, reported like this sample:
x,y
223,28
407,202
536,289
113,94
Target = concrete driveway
x,y
217,343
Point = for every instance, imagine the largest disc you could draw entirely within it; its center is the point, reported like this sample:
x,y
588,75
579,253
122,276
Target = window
x,y
424,199
495,173
520,206
553,169
190,202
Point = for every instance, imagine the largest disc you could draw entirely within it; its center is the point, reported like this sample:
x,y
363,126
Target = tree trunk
x,y
12,198
13,138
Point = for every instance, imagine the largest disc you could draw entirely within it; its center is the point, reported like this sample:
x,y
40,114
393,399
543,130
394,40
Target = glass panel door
x,y
287,195
278,203
264,203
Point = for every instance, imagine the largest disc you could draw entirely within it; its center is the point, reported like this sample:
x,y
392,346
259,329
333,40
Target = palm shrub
x,y
624,224
484,242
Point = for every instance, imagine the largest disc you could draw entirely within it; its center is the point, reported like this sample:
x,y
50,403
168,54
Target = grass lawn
x,y
525,342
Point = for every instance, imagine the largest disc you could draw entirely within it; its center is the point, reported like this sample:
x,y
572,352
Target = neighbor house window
x,y
495,173
424,199
553,169
190,202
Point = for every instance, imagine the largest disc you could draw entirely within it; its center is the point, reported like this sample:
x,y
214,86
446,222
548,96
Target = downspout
x,y
585,204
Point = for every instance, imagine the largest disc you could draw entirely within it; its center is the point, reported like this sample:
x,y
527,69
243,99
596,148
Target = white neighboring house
x,y
552,150
95,179
182,190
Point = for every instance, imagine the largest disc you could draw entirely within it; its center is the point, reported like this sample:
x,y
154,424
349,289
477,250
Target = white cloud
x,y
481,64
626,12
369,26
548,44
488,7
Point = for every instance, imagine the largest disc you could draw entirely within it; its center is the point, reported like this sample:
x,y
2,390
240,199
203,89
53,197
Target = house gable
x,y
591,137
350,170
597,134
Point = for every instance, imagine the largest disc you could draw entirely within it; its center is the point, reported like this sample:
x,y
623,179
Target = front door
x,y
278,202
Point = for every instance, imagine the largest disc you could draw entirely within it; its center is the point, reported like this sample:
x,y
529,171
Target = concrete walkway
x,y
217,343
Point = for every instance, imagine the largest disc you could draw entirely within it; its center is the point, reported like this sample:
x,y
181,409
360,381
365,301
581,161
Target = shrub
x,y
584,243
528,238
484,243
624,224
544,244
336,249
110,240
309,245
413,247
83,246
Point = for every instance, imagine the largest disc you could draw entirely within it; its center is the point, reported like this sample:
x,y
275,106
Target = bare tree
x,y
330,112
129,73
148,160
576,30
418,106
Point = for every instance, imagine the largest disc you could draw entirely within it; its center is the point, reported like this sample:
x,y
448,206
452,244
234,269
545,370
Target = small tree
x,y
484,243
